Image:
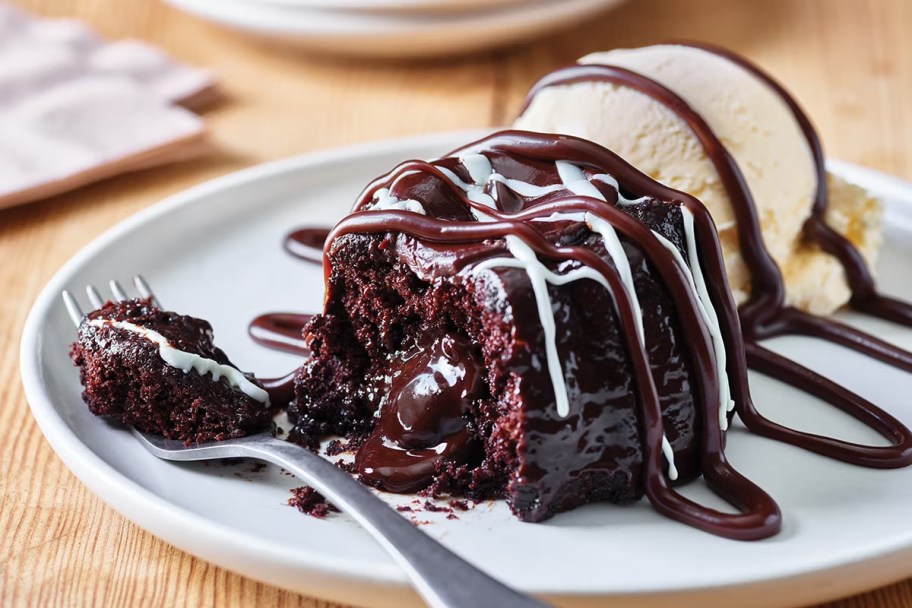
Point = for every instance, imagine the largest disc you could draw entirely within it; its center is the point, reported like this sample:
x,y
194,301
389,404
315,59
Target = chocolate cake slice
x,y
160,372
530,318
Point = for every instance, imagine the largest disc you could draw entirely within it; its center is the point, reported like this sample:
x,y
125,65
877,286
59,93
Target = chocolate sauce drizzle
x,y
284,331
281,389
281,331
765,315
759,516
307,243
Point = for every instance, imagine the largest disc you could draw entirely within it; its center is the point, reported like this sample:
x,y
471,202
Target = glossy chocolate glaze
x,y
307,243
448,240
281,389
281,331
765,315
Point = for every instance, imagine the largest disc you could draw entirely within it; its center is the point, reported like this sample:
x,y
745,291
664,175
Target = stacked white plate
x,y
395,28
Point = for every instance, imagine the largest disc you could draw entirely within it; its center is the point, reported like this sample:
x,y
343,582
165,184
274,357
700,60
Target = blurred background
x,y
847,61
293,76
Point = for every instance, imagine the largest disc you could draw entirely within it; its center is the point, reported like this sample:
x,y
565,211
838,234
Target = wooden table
x,y
849,61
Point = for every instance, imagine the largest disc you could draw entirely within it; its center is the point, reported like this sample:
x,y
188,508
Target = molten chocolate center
x,y
423,421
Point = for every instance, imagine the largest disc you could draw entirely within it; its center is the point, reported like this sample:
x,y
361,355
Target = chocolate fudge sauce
x,y
281,389
307,243
281,331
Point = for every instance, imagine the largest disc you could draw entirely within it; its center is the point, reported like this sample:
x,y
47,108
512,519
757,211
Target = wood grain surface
x,y
848,61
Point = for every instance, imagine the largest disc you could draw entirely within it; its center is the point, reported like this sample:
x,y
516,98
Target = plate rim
x,y
282,19
156,515
395,6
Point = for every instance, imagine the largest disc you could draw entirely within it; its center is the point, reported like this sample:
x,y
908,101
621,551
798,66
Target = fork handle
x,y
443,579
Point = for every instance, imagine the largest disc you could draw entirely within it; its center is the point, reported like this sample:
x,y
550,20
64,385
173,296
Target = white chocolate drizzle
x,y
384,200
698,284
186,362
479,168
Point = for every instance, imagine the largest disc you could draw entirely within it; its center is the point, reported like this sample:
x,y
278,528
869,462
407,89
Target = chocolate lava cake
x,y
530,318
160,372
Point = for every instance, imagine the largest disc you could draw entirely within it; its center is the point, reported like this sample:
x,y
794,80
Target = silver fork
x,y
441,577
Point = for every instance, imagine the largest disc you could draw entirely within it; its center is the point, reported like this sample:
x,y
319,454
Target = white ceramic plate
x,y
215,252
393,35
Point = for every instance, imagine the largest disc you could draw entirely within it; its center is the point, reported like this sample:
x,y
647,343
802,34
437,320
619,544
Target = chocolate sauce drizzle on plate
x,y
281,389
281,331
307,243
765,315
284,331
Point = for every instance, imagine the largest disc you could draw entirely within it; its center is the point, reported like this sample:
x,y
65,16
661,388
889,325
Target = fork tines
x,y
97,300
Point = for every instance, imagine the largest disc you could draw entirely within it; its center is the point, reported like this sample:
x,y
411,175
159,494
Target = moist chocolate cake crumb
x,y
435,508
461,505
334,448
404,509
348,467
310,502
480,483
120,350
452,516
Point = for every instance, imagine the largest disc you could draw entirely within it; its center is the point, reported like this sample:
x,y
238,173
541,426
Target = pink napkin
x,y
76,109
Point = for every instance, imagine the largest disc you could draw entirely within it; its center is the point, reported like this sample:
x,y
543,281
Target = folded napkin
x,y
76,109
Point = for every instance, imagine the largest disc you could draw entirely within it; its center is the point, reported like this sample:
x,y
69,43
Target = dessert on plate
x,y
530,317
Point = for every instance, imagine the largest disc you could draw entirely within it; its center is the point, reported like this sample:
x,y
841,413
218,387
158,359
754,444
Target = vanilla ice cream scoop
x,y
757,128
